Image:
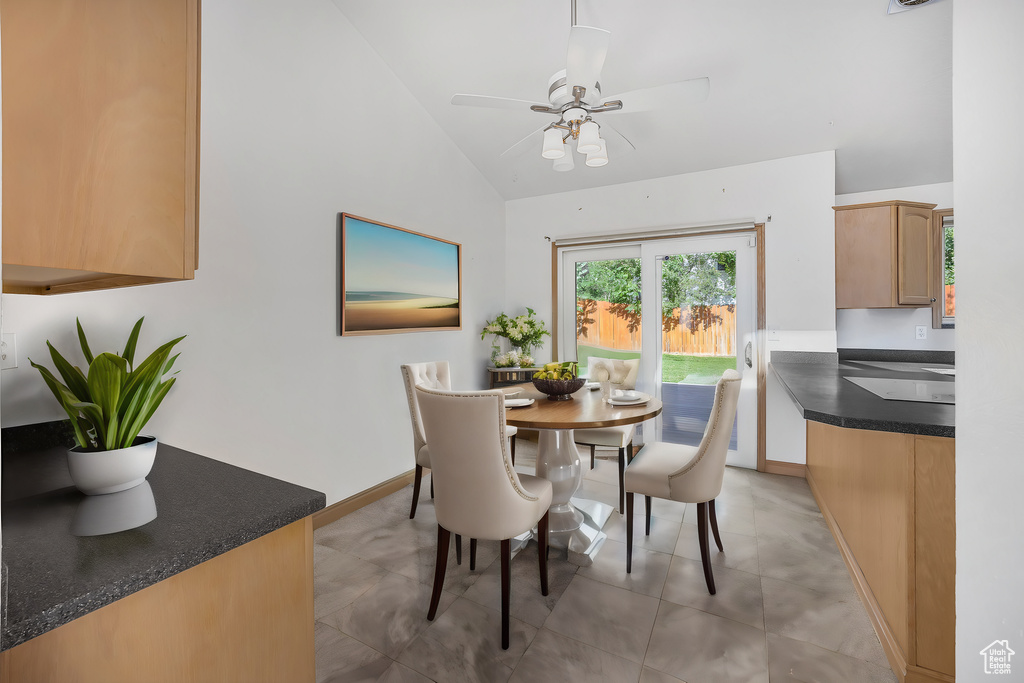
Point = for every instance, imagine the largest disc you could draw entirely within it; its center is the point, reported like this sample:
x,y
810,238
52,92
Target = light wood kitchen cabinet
x,y
884,255
101,138
889,500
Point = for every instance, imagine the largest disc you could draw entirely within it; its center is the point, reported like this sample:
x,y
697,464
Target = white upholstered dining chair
x,y
687,474
432,375
477,491
623,373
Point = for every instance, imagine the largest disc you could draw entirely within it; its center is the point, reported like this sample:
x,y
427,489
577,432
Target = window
x,y
944,306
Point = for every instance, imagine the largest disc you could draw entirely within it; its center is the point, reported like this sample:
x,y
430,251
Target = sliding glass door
x,y
600,304
704,292
687,308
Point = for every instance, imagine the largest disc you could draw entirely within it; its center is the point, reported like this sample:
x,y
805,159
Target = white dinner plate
x,y
593,386
518,402
635,401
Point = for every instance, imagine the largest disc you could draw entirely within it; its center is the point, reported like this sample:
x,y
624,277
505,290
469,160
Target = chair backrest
x,y
702,475
622,371
433,375
477,493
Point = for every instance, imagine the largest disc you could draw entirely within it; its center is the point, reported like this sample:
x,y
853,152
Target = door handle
x,y
747,357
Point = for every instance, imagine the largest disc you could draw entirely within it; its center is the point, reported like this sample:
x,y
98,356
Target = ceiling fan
x,y
574,95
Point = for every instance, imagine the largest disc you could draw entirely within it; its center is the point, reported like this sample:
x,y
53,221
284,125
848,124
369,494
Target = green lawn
x,y
675,367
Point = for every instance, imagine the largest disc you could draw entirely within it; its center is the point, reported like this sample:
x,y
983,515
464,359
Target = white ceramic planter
x,y
99,472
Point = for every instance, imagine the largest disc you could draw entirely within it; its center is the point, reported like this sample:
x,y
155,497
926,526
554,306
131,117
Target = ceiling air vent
x,y
904,5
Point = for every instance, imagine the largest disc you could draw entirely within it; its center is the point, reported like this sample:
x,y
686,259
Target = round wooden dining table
x,y
574,523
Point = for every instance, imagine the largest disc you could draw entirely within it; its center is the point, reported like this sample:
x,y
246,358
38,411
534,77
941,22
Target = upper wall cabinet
x,y
884,255
100,143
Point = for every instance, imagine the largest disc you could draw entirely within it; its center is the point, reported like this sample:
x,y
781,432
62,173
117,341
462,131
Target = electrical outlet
x,y
922,332
8,351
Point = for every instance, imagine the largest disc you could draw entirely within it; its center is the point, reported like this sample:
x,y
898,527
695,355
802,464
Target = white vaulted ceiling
x,y
788,77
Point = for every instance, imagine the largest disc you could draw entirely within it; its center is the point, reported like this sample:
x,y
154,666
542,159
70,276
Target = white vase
x,y
99,472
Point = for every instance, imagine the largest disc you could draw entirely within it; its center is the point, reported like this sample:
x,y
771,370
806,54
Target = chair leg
x,y
416,490
629,531
705,551
472,554
512,448
622,477
714,525
458,549
593,450
629,452
647,510
443,539
542,552
506,580
431,486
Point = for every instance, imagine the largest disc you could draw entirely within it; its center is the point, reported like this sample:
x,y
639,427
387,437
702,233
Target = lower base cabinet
x,y
246,615
889,500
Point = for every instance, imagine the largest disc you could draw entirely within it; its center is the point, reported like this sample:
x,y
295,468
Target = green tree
x,y
948,272
689,281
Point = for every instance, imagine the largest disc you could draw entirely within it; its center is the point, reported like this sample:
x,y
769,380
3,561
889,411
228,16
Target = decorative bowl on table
x,y
559,389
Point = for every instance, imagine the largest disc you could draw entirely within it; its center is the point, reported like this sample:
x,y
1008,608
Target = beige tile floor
x,y
785,610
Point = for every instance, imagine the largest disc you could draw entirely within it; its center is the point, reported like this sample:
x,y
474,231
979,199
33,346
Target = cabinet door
x,y
100,120
865,257
914,255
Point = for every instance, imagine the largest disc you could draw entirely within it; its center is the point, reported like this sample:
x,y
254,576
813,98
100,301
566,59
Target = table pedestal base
x,y
573,523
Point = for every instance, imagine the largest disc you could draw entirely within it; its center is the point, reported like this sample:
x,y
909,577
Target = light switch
x,y
8,351
922,332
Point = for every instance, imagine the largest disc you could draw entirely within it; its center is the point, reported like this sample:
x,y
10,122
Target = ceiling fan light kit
x,y
574,96
554,147
598,157
565,162
588,141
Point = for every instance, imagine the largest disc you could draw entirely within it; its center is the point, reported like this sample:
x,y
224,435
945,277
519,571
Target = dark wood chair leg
x,y
506,580
593,457
458,549
416,490
647,511
622,478
629,531
443,539
714,525
542,552
512,448
705,550
431,485
472,554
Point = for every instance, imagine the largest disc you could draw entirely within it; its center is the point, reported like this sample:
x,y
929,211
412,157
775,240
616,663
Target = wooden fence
x,y
605,327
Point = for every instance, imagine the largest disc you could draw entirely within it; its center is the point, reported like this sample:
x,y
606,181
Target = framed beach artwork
x,y
396,280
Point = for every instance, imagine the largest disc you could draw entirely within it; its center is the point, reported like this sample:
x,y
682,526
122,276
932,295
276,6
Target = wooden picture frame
x,y
396,280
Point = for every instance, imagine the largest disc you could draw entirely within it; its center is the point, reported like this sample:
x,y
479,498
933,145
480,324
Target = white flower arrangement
x,y
522,331
513,359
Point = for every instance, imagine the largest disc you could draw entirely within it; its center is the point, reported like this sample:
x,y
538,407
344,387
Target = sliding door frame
x,y
761,330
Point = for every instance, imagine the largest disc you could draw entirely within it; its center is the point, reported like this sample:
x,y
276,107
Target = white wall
x,y
797,193
894,328
300,120
988,70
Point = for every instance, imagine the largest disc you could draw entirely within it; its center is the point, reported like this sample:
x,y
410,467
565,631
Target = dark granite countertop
x,y
56,574
823,395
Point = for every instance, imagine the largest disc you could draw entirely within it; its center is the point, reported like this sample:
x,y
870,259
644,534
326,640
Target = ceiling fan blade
x,y
493,102
668,96
523,145
616,140
588,47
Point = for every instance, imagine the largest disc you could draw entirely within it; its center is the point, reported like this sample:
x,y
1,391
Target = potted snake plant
x,y
109,405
